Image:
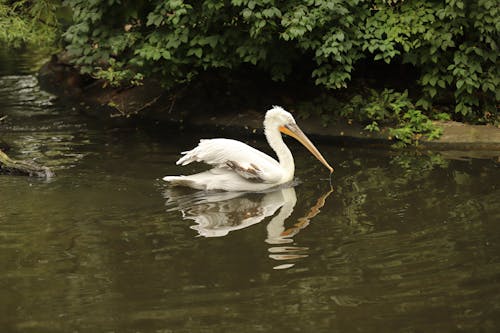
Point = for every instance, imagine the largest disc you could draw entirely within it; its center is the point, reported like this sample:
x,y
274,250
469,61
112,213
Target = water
x,y
405,242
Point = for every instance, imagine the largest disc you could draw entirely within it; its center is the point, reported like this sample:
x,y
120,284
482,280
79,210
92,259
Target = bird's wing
x,y
246,161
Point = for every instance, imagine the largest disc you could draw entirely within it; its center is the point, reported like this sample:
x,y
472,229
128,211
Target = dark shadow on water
x,y
216,214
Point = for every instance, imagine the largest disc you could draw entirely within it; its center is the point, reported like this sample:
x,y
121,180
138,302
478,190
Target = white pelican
x,y
239,167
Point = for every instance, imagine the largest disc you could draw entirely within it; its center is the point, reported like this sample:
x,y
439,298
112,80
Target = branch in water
x,y
25,168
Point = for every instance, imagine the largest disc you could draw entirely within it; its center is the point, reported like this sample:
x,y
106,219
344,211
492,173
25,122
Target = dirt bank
x,y
194,105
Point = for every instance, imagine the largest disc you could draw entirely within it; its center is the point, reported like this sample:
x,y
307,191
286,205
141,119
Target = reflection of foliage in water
x,y
412,238
408,182
416,163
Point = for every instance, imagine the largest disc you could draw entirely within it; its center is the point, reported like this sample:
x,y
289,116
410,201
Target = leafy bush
x,y
452,43
28,22
387,110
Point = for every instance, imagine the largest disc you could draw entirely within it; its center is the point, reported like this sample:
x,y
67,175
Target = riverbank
x,y
195,106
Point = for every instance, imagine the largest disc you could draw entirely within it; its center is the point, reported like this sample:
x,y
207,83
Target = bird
x,y
237,166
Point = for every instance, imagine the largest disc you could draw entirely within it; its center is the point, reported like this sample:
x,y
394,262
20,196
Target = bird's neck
x,y
285,157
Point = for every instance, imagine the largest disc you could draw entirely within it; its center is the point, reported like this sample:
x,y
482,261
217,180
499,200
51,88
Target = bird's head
x,y
279,117
283,120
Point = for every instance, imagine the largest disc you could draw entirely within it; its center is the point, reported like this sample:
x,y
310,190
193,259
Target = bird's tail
x,y
174,180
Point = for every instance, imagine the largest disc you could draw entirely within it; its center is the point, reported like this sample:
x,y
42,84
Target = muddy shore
x,y
196,108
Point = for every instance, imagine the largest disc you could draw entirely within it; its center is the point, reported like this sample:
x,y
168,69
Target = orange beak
x,y
295,132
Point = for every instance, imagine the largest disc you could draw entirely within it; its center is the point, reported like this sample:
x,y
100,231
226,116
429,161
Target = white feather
x,y
218,152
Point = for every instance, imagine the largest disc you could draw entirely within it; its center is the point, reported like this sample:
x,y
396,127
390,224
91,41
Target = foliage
x,y
379,110
176,39
452,43
26,22
396,109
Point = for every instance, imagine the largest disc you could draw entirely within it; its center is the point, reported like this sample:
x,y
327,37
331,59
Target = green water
x,y
406,242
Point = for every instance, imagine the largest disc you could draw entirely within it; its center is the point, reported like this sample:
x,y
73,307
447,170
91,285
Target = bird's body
x,y
239,167
227,174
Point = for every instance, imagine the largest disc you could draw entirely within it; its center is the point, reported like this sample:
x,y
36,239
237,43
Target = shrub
x,y
28,22
452,43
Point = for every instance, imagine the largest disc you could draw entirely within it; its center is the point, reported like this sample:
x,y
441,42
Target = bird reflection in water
x,y
217,213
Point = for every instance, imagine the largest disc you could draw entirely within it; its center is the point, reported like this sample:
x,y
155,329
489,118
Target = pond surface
x,y
403,242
